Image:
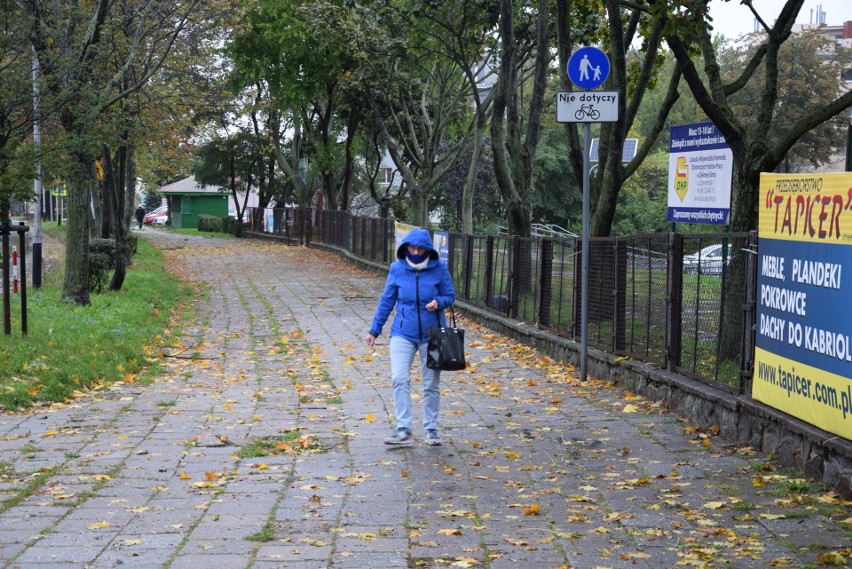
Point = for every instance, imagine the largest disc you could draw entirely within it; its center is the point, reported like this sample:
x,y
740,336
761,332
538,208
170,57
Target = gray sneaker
x,y
401,438
432,438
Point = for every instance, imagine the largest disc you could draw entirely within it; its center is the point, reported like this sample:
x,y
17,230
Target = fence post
x,y
514,276
578,270
468,264
363,251
309,225
619,292
374,232
489,269
545,282
22,229
451,253
7,301
674,300
386,241
747,363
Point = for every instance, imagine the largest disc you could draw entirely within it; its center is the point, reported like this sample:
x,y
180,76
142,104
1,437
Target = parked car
x,y
153,217
232,213
707,261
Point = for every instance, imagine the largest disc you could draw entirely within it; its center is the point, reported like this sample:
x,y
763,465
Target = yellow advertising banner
x,y
806,207
813,395
803,335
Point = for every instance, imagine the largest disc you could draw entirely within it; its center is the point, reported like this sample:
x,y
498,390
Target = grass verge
x,y
72,348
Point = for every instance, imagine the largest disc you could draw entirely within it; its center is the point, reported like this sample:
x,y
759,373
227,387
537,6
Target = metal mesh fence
x,y
716,271
646,298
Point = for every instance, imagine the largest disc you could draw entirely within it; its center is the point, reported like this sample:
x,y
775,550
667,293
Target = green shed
x,y
187,200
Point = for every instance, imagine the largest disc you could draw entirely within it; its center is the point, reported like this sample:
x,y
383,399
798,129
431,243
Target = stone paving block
x,y
371,560
292,552
13,542
78,554
231,545
290,565
145,559
228,526
47,565
219,561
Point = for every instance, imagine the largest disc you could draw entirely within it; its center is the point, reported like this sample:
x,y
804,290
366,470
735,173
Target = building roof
x,y
189,186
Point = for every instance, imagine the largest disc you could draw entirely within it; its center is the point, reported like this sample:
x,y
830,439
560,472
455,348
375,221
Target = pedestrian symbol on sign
x,y
588,68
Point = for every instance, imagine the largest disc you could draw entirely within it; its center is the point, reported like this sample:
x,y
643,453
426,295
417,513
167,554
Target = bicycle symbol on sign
x,y
587,111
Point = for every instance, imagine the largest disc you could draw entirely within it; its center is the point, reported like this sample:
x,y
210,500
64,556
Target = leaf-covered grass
x,y
291,442
70,348
267,533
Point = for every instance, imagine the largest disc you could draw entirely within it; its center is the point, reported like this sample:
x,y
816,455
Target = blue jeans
x,y
402,353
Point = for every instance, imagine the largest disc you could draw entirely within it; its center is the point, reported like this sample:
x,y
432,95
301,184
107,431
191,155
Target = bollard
x,y
14,270
13,278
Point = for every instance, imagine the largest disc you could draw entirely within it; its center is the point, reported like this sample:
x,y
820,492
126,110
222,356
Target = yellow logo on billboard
x,y
681,177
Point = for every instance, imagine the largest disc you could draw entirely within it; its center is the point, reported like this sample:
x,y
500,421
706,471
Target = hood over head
x,y
418,237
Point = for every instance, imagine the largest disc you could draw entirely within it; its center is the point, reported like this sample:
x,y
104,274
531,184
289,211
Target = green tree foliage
x,y
487,206
16,105
524,33
94,56
419,97
809,67
298,51
557,199
643,201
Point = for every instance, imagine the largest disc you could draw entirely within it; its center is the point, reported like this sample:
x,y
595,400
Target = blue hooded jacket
x,y
410,290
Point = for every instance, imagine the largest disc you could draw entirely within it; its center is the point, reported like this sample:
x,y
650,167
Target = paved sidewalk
x,y
537,470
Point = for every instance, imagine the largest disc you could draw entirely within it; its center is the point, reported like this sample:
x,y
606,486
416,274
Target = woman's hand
x,y
370,340
432,306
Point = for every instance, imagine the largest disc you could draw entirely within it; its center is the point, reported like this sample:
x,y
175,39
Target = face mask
x,y
417,259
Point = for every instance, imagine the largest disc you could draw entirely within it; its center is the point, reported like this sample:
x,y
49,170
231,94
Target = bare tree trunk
x,y
470,184
123,192
75,287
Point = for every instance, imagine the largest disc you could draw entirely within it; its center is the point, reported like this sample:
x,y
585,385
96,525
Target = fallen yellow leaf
x,y
99,525
532,510
450,531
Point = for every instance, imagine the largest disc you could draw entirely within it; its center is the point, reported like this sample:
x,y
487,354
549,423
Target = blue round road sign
x,y
588,68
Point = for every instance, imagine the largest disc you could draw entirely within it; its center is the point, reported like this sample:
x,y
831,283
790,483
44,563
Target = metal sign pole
x,y
584,280
588,68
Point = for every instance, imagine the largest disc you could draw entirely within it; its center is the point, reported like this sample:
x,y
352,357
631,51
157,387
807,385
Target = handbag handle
x,y
452,313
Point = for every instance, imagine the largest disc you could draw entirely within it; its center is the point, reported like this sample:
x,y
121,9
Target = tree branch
x,y
776,154
672,95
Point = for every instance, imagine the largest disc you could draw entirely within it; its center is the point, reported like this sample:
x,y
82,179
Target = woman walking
x,y
419,285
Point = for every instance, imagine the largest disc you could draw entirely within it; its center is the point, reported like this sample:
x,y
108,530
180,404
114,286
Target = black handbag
x,y
445,350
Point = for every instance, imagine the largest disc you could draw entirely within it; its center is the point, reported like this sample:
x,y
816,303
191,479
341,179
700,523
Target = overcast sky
x,y
732,19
